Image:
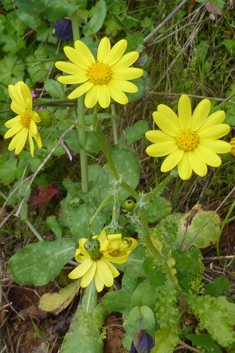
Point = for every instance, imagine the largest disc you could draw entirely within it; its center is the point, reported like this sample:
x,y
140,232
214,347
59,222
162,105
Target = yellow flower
x,y
97,262
232,143
104,78
189,140
24,124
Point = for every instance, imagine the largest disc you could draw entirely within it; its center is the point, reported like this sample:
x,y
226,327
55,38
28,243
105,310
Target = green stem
x,y
81,114
115,136
159,188
101,206
152,248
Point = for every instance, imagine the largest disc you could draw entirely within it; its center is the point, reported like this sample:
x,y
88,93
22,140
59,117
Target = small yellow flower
x,y
189,140
24,124
103,78
232,143
97,264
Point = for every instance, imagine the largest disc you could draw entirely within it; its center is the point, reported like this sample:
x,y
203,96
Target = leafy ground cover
x,y
175,292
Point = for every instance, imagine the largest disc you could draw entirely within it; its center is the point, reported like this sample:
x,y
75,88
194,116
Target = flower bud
x,y
46,118
93,248
63,29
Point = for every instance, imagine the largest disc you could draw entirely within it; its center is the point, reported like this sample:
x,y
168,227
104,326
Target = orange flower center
x,y
99,73
25,119
187,140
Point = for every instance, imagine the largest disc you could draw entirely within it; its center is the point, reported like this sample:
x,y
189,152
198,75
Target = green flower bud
x,y
93,249
129,205
46,118
113,230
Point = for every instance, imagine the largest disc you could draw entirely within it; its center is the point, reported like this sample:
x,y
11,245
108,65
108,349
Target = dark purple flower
x,y
63,29
142,342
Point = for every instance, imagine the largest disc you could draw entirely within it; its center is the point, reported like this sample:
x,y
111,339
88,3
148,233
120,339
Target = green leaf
x,y
84,335
78,219
54,10
203,340
55,89
54,225
56,302
144,295
222,284
8,171
120,300
192,223
141,317
97,19
41,262
166,339
134,133
158,209
214,317
136,261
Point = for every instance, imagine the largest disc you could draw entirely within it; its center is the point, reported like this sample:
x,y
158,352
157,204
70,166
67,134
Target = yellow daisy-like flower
x,y
103,78
24,124
232,143
189,140
96,262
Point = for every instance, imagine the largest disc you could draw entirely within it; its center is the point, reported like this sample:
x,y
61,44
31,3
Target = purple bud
x,y
142,342
63,29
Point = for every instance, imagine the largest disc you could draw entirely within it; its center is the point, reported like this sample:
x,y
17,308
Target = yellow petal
x,y
157,136
72,79
102,236
14,130
38,139
217,146
80,270
91,97
172,160
105,273
165,110
33,128
82,48
185,112
198,166
103,49
200,114
117,259
166,124
19,141
214,132
208,156
80,90
126,60
184,167
77,58
161,149
98,282
103,96
31,144
117,95
114,271
81,249
36,117
213,119
89,275
18,103
27,96
116,52
69,68
126,74
125,86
